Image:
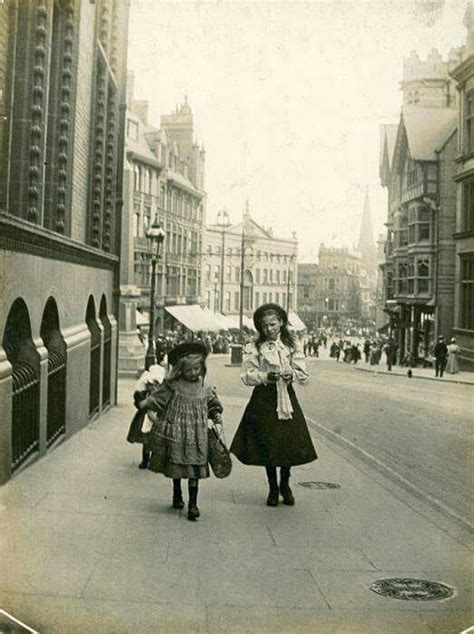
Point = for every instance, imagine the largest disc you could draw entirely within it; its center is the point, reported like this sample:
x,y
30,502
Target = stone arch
x,y
107,358
24,358
94,377
50,332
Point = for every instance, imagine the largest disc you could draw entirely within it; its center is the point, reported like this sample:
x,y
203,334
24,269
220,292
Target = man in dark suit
x,y
440,354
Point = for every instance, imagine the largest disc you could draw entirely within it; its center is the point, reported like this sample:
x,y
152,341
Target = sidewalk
x,y
466,378
90,545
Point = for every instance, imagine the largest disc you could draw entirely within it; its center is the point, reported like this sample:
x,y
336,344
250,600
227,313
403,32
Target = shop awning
x,y
141,319
193,317
214,318
295,321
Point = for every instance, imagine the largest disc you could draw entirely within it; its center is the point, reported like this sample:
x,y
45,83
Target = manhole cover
x,y
319,485
412,589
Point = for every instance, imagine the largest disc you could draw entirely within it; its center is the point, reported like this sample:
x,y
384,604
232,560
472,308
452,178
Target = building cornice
x,y
464,71
21,236
135,156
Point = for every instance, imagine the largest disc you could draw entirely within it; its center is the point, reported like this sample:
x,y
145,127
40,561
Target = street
x,y
422,430
90,543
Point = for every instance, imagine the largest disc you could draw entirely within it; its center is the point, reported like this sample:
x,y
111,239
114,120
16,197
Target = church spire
x,y
366,236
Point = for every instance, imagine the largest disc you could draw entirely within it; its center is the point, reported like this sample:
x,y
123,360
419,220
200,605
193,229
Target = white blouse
x,y
270,357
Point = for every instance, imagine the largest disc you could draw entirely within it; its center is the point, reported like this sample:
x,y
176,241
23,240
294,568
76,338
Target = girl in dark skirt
x,y
273,431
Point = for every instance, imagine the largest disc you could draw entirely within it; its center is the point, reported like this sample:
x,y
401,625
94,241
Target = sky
x,y
288,98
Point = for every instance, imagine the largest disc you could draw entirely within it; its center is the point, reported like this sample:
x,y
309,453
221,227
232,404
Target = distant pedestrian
x,y
452,366
391,353
440,354
181,407
141,423
367,346
334,351
355,353
273,431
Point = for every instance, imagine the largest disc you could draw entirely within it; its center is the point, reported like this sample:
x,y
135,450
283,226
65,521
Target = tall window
x,y
467,219
466,316
227,301
236,300
423,274
469,123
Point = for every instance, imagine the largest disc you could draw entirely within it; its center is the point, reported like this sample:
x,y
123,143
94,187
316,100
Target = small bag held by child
x,y
218,454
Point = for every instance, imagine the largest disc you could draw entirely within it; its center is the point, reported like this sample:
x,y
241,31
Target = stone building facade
x,y
418,172
329,292
62,96
164,181
463,74
269,268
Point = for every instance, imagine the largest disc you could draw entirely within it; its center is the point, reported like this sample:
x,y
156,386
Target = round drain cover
x,y
319,485
412,589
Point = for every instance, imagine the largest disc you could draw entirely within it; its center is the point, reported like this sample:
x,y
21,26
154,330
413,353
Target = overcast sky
x,y
288,98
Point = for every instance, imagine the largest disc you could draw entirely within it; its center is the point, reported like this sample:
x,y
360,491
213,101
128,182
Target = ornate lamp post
x,y
223,221
155,237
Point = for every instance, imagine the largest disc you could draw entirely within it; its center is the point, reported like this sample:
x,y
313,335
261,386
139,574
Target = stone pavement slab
x,y
90,544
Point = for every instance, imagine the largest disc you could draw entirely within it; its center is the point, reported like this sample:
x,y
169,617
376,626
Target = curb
x,y
415,376
392,475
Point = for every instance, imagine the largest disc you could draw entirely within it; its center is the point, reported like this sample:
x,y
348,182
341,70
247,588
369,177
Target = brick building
x,y
463,74
329,292
418,172
269,268
62,92
163,180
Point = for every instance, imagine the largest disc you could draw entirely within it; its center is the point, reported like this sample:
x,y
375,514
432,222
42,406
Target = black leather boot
x,y
272,499
285,490
145,459
193,511
178,502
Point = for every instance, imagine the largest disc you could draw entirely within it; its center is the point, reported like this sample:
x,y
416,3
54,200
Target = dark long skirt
x,y
262,439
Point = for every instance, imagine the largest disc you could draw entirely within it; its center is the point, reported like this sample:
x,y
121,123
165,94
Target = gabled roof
x,y
427,130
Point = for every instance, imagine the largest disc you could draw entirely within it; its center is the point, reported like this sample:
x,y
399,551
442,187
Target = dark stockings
x,y
193,511
177,494
284,488
145,459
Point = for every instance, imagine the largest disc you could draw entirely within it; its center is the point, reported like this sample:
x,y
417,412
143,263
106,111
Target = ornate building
x,y
269,268
163,180
463,74
418,172
329,292
62,96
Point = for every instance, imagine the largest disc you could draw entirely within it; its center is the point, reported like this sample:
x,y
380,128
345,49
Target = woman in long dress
x,y
273,431
452,366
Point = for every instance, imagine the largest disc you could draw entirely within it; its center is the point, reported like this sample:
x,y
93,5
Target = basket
x,y
218,454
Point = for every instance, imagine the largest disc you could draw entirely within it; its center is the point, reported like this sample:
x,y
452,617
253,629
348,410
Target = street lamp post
x,y
155,236
224,222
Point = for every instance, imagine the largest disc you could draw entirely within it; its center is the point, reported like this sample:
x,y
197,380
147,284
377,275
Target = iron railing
x,y
25,413
56,420
107,365
94,388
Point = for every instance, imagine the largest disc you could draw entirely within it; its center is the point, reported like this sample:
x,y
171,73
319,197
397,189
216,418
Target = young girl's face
x,y
192,369
271,326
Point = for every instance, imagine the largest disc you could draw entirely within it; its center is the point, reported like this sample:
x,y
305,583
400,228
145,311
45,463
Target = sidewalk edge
x,y
415,376
388,472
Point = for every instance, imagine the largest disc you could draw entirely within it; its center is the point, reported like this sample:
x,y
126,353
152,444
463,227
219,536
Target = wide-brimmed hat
x,y
185,348
265,308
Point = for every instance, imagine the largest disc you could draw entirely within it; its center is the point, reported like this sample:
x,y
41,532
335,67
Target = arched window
x,y
248,290
94,378
107,366
21,352
51,334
